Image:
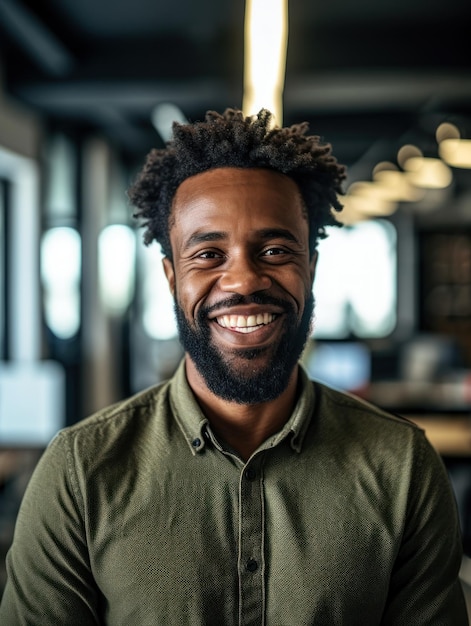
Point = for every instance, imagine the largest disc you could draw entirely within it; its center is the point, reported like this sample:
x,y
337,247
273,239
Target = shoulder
x,y
117,429
348,407
363,429
371,442
143,403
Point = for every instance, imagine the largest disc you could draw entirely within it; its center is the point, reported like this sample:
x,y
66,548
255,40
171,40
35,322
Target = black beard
x,y
251,385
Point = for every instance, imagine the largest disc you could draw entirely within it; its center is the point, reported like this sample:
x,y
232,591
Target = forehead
x,y
237,192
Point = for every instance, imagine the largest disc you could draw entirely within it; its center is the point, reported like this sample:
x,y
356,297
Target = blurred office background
x,y
88,88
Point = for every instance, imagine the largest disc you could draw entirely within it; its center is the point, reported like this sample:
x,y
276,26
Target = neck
x,y
243,426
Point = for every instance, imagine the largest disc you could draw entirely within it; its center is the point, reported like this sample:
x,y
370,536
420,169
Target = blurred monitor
x,y
343,365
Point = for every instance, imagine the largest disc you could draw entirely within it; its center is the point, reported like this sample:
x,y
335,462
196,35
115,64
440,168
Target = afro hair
x,y
231,139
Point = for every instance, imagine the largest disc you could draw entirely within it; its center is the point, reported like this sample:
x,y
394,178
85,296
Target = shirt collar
x,y
187,411
194,424
303,411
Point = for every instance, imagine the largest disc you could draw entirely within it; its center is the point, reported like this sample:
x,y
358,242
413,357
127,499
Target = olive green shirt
x,y
139,516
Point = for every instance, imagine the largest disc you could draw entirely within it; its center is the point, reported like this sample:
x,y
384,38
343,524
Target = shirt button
x,y
250,473
196,443
252,565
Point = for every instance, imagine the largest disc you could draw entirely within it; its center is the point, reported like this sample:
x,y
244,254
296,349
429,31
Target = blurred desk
x,y
449,434
442,408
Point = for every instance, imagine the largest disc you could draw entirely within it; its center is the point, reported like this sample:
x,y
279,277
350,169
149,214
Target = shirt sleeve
x,y
425,587
48,568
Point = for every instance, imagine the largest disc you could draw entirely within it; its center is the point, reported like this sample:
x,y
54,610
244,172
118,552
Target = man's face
x,y
242,277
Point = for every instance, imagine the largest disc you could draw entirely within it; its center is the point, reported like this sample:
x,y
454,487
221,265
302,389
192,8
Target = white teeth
x,y
245,323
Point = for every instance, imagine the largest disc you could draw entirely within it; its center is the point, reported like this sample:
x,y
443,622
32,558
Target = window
x,y
60,273
3,269
356,286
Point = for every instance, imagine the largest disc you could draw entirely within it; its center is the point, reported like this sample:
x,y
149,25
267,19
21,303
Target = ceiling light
x,y
452,149
424,172
407,152
428,173
368,199
394,184
456,152
266,36
369,189
350,213
447,131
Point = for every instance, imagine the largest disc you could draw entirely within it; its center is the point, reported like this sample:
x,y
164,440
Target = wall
x,y
20,129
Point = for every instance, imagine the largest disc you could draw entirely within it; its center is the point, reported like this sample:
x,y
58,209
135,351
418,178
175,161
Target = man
x,y
239,492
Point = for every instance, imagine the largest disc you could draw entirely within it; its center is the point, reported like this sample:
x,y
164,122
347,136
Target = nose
x,y
244,276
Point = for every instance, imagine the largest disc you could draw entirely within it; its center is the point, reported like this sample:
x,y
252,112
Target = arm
x,y
425,588
49,575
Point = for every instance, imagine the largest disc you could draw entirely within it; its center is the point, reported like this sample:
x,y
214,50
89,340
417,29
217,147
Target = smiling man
x,y
242,273
239,492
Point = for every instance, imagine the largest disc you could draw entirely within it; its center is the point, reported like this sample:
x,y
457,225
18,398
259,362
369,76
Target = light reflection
x,y
61,261
3,277
158,316
116,258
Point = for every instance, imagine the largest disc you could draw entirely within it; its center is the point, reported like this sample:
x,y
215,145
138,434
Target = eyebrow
x,y
198,238
264,234
277,233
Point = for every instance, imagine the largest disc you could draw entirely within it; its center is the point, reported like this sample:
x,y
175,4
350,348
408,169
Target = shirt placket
x,y
251,564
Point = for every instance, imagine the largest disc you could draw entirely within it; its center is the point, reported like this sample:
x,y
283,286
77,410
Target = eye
x,y
277,255
274,252
209,254
208,257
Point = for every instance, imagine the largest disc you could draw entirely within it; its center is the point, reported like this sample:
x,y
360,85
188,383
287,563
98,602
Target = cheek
x,y
189,293
299,285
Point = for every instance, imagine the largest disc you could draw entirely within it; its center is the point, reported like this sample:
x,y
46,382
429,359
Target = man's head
x,y
237,231
233,140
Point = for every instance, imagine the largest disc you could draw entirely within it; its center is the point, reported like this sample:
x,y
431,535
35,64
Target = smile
x,y
245,323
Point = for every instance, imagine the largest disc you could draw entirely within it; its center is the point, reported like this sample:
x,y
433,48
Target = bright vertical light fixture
x,y
266,37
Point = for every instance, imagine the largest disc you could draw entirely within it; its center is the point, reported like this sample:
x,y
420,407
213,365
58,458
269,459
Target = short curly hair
x,y
232,140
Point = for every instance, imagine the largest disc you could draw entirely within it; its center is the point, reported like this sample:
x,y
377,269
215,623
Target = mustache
x,y
256,298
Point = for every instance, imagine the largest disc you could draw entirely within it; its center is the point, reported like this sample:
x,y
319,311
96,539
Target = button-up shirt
x,y
140,516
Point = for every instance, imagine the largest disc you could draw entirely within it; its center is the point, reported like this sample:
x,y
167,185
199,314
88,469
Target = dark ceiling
x,y
368,75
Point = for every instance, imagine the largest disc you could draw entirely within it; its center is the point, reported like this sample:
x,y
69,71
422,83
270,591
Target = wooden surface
x,y
450,435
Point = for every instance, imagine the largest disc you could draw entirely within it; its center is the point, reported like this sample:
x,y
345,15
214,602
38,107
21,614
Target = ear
x,y
313,265
169,273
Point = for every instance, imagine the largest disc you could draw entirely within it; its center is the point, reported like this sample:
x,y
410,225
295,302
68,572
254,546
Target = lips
x,y
245,323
